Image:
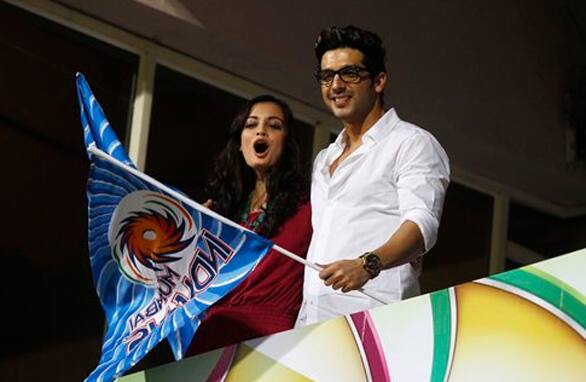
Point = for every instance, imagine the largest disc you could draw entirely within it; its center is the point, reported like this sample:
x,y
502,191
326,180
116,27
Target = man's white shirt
x,y
399,172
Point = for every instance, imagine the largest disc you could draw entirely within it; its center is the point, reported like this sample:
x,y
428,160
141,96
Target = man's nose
x,y
338,83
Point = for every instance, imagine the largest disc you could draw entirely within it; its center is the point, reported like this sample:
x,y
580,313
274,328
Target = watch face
x,y
372,264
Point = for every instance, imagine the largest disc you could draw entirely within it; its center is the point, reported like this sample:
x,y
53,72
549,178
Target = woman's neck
x,y
258,196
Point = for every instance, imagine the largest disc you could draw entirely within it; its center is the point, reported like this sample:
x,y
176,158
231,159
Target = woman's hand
x,y
209,203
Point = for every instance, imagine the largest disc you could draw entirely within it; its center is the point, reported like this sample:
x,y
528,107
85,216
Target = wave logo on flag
x,y
149,230
158,259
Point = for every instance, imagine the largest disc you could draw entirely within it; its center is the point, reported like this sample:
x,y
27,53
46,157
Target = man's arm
x,y
402,247
422,177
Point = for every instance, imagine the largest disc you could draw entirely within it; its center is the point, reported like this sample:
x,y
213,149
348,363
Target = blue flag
x,y
158,259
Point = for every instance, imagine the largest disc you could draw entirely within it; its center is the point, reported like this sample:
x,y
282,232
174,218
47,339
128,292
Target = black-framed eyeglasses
x,y
349,74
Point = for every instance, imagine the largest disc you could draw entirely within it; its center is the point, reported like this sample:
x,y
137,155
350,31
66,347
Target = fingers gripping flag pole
x,y
158,259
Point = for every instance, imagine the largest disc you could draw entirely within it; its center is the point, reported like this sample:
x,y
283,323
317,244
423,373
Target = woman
x,y
256,181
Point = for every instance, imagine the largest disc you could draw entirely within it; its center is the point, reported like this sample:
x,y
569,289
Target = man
x,y
377,192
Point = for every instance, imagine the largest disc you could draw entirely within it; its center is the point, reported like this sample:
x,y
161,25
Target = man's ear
x,y
380,81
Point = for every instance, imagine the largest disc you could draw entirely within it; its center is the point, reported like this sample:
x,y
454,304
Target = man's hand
x,y
346,275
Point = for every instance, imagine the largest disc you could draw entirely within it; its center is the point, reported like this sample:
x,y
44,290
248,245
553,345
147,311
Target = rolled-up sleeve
x,y
422,175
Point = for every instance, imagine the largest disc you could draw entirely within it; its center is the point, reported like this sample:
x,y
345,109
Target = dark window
x,y
544,234
51,307
462,250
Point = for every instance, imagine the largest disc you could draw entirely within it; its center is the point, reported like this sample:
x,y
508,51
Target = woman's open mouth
x,y
260,147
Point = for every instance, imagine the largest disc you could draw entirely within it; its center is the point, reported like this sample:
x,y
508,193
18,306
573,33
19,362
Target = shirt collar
x,y
376,133
340,141
381,128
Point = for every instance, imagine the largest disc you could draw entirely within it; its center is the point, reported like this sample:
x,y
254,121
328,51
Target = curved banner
x,y
527,324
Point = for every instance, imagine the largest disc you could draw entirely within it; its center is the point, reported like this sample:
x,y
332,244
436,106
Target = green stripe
x,y
548,288
559,283
442,333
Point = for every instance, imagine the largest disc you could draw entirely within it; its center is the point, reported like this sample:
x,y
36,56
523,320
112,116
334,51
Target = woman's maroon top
x,y
268,300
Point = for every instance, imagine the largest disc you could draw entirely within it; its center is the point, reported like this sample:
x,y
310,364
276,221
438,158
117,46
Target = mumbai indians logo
x,y
149,230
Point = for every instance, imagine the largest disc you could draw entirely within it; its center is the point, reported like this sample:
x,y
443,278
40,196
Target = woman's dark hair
x,y
232,180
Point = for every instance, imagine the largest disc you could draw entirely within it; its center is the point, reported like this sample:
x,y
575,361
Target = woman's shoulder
x,y
299,223
295,232
303,211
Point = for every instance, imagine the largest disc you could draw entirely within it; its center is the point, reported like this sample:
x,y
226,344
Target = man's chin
x,y
341,113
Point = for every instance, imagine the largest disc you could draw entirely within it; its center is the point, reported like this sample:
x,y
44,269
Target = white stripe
x,y
453,327
141,185
360,346
103,126
100,226
92,101
229,281
205,302
110,184
99,216
130,186
113,147
100,194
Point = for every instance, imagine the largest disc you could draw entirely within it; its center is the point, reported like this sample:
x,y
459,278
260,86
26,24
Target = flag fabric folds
x,y
158,259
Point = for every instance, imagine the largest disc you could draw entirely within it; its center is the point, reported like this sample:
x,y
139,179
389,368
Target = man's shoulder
x,y
406,137
404,132
412,141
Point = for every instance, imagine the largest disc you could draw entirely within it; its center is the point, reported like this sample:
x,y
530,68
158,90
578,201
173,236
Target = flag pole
x,y
317,268
108,158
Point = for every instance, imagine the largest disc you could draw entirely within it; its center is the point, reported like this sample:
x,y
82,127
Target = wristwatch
x,y
371,264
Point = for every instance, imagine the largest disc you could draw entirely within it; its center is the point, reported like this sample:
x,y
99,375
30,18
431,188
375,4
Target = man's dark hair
x,y
369,43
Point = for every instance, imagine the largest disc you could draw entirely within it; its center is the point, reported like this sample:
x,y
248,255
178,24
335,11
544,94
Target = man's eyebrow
x,y
352,66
